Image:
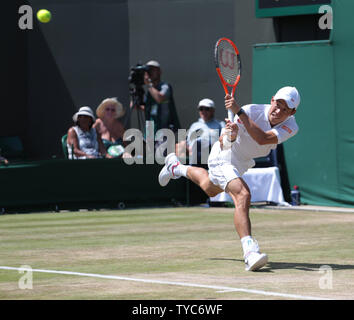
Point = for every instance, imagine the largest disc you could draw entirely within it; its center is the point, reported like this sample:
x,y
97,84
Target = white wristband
x,y
226,143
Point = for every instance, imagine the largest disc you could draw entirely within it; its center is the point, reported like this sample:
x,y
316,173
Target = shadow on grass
x,y
271,265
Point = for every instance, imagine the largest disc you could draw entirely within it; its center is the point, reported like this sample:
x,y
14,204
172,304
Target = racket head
x,y
228,66
228,63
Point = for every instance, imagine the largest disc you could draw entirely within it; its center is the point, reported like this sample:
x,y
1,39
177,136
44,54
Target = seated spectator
x,y
107,125
202,134
84,142
3,160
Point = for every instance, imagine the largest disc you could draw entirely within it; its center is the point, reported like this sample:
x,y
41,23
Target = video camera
x,y
136,80
136,76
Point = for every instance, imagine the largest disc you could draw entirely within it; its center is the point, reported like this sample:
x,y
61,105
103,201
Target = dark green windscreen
x,y
320,158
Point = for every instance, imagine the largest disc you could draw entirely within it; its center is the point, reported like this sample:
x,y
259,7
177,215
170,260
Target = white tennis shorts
x,y
224,166
222,174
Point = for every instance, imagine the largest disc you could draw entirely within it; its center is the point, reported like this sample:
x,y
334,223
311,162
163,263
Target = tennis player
x,y
255,131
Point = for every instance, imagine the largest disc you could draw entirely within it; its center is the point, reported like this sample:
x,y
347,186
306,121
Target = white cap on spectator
x,y
84,111
290,95
153,63
206,103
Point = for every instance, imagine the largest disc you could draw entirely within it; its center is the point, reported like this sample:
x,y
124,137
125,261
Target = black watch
x,y
240,112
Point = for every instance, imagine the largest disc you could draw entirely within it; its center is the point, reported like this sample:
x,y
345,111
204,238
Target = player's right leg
x,y
241,196
174,169
237,189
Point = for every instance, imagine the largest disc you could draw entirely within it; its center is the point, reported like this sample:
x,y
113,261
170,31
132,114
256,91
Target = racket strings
x,y
228,62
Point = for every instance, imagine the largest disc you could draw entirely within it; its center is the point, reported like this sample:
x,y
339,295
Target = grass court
x,y
175,253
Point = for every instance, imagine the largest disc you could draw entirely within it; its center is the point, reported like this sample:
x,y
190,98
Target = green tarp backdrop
x,y
320,158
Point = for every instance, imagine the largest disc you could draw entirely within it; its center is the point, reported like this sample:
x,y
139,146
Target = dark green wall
x,y
320,157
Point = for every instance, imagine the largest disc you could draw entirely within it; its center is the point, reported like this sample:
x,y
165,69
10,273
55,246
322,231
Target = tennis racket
x,y
228,66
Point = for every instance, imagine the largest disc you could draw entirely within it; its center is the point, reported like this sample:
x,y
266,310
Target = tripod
x,y
136,95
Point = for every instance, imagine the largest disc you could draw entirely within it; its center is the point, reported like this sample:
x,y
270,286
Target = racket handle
x,y
230,115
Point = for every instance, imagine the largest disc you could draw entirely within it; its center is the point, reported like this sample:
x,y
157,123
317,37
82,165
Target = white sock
x,y
248,244
181,170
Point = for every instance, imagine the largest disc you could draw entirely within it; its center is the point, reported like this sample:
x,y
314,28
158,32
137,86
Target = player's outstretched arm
x,y
261,137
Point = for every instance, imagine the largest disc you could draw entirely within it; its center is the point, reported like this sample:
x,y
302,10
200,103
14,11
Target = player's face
x,y
279,112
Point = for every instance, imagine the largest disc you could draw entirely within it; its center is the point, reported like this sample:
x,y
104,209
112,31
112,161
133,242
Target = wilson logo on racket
x,y
227,59
228,66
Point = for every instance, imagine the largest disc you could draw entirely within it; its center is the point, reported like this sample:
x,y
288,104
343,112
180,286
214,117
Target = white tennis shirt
x,y
245,148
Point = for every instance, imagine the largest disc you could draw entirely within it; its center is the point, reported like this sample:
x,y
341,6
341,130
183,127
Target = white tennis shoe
x,y
255,261
168,171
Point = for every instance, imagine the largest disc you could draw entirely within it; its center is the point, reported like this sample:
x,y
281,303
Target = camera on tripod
x,y
136,81
136,76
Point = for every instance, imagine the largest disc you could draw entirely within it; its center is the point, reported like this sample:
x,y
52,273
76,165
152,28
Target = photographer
x,y
158,101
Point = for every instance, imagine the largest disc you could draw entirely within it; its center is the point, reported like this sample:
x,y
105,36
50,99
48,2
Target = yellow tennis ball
x,y
44,15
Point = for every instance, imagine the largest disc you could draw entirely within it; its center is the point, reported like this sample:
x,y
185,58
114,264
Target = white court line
x,y
172,283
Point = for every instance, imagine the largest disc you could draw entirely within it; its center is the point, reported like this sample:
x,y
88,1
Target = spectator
x,y
3,160
84,142
108,124
110,128
202,134
159,103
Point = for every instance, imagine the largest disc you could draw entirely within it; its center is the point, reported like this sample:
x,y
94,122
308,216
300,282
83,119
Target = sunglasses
x,y
204,109
110,109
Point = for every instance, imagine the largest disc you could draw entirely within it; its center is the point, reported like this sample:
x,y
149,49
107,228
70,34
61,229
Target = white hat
x,y
153,63
84,111
110,102
290,95
206,103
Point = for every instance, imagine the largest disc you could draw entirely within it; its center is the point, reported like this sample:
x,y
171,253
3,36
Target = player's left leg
x,y
200,177
174,169
241,196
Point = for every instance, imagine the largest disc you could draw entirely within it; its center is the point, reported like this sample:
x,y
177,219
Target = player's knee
x,y
244,198
242,195
245,194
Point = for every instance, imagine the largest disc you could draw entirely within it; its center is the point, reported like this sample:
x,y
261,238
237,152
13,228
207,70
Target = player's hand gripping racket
x,y
228,66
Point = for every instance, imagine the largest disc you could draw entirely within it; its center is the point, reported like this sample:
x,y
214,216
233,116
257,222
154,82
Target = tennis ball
x,y
44,15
